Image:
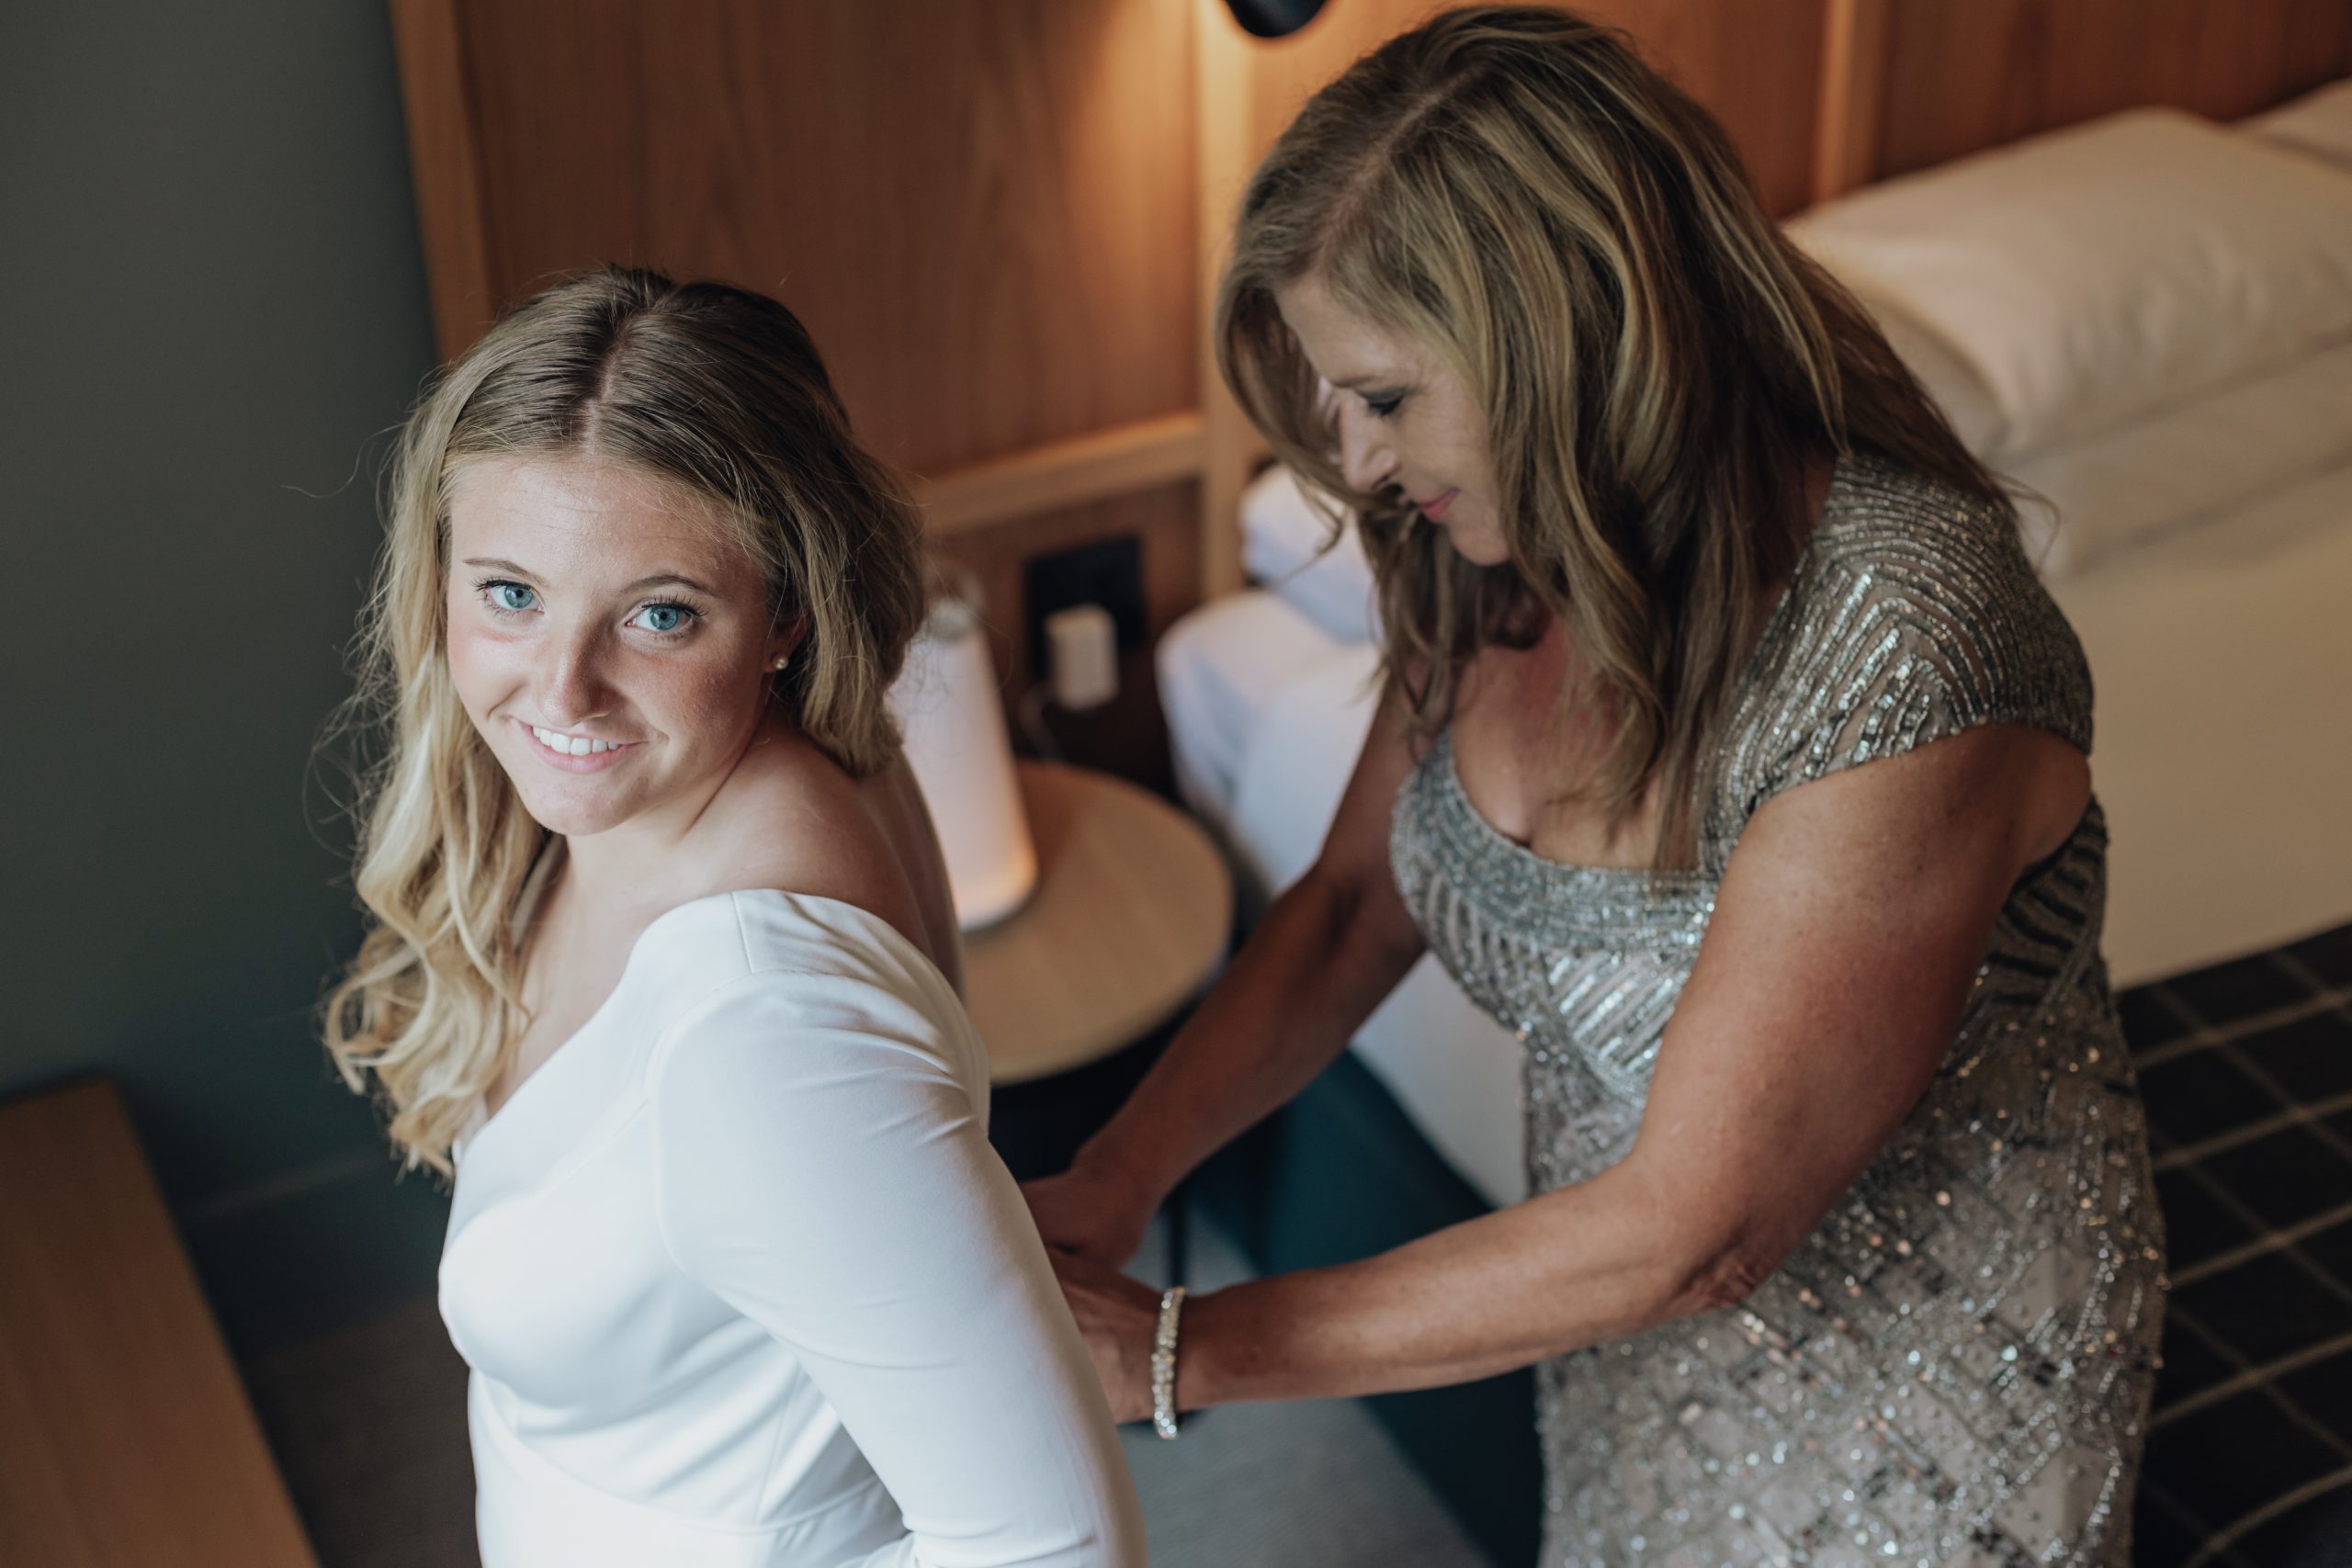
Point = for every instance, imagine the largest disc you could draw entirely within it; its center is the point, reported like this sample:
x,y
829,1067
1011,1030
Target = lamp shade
x,y
948,709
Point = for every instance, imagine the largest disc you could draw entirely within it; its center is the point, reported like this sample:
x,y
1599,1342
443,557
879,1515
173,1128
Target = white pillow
x,y
1946,376
1281,530
2091,276
1219,666
2319,123
2187,466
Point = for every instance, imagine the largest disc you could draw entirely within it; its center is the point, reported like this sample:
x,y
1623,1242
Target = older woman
x,y
661,956
1732,754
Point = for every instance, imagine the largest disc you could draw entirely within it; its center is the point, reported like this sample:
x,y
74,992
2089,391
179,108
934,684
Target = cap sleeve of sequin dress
x,y
1914,614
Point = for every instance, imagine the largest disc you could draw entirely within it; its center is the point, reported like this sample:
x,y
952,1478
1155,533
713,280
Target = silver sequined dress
x,y
1954,1368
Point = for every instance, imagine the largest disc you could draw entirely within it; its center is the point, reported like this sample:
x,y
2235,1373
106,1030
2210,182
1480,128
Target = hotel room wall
x,y
991,217
985,214
1755,64
1964,74
1001,221
213,311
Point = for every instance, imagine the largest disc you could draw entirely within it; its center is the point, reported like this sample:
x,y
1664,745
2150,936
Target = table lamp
x,y
952,719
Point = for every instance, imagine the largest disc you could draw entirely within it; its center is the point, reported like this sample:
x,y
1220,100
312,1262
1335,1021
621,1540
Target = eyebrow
x,y
660,579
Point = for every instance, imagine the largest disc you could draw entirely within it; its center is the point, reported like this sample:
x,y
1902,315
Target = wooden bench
x,y
125,1440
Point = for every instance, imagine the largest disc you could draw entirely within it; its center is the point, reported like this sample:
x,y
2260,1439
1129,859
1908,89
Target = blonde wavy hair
x,y
1511,188
703,386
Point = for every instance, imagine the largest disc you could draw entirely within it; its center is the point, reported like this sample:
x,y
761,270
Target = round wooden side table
x,y
1076,991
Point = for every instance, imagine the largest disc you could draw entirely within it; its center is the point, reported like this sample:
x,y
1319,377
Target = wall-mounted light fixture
x,y
1273,18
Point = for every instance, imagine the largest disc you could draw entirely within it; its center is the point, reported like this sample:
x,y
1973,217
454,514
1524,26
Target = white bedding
x,y
1220,667
2318,123
2223,747
2187,467
2089,277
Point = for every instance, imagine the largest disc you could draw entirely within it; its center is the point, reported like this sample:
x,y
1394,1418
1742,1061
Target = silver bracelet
x,y
1163,1363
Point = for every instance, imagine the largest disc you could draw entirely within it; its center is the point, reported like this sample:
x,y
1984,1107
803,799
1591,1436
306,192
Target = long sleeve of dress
x,y
821,1163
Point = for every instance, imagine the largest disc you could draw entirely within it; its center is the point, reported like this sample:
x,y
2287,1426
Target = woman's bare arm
x,y
1329,949
1846,933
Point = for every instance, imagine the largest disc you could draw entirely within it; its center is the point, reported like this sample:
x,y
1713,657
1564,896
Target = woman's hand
x,y
1091,1213
1330,947
1117,1316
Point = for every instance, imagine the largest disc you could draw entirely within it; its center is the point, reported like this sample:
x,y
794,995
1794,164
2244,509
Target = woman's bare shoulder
x,y
796,820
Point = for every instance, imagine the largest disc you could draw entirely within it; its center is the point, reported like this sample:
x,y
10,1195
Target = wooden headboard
x,y
1913,83
999,219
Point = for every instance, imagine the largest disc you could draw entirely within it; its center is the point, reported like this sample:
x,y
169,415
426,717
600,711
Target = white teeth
x,y
572,745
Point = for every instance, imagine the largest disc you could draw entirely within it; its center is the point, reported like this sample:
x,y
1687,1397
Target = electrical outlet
x,y
1108,572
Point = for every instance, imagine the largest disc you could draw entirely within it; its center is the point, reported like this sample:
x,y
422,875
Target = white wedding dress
x,y
742,1283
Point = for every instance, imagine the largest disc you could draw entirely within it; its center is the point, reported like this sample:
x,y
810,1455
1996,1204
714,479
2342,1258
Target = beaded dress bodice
x,y
1954,1368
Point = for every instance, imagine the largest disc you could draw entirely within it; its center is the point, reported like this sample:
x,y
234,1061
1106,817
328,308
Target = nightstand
x,y
1078,990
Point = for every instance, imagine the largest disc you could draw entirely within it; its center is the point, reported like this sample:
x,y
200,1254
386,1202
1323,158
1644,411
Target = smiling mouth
x,y
564,745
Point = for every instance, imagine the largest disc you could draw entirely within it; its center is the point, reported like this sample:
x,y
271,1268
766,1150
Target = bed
x,y
2146,323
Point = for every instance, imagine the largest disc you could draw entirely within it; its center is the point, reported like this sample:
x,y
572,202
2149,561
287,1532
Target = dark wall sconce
x,y
1273,18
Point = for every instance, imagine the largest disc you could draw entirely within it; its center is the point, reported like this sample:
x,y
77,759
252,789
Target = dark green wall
x,y
213,307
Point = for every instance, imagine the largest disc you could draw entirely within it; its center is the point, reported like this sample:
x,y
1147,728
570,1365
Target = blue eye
x,y
664,620
509,598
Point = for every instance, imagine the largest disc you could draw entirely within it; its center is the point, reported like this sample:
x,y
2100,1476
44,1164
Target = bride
x,y
662,964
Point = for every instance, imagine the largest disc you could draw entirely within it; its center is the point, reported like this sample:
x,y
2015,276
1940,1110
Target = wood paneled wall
x,y
1954,76
1002,221
987,215
983,212
1755,64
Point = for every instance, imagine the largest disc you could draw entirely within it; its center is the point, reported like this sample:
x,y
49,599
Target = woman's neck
x,y
668,853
